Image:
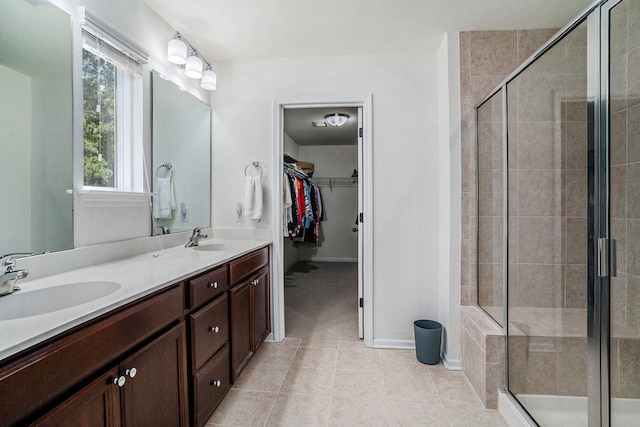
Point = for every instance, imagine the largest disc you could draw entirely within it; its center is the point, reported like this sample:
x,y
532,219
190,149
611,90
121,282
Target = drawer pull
x,y
255,282
131,372
217,383
213,285
119,381
214,329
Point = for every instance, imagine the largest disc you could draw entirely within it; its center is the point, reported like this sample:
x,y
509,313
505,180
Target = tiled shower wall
x,y
486,58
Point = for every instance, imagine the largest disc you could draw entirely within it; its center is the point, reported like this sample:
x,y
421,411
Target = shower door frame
x,y
600,246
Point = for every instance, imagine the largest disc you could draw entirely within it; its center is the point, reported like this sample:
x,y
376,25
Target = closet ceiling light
x,y
209,79
177,51
193,68
337,119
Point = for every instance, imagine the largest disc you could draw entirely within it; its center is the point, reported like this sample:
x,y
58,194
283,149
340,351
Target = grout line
x,y
280,388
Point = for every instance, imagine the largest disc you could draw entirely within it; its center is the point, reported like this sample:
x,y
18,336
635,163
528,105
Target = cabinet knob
x,y
217,383
214,329
213,285
255,282
131,372
119,381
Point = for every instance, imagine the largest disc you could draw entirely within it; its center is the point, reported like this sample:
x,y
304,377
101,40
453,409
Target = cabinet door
x,y
96,405
155,394
261,308
241,337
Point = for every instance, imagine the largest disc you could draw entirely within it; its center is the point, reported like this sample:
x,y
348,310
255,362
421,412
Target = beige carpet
x,y
321,301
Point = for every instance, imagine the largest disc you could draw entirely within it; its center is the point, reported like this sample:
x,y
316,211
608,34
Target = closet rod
x,y
292,170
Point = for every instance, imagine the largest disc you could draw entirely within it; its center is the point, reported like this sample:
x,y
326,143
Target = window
x,y
112,109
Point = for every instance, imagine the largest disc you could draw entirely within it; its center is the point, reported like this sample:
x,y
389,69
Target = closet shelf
x,y
333,182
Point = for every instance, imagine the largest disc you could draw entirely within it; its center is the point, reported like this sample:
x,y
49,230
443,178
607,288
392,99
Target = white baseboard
x,y
328,259
397,344
451,364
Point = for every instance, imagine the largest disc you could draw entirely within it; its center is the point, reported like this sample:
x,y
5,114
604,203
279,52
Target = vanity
x,y
163,348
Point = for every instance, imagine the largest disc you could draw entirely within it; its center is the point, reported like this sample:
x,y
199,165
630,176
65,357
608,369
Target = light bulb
x,y
177,51
209,79
193,67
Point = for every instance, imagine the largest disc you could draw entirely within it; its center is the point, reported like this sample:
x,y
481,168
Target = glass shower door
x,y
622,60
548,127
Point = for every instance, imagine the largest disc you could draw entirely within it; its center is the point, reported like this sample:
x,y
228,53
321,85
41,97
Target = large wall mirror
x,y
35,127
181,159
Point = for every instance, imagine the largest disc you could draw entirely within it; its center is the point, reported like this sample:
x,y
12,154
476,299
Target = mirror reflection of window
x,y
112,111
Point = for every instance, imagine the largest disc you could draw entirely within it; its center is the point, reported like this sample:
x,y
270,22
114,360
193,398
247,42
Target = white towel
x,y
164,199
253,197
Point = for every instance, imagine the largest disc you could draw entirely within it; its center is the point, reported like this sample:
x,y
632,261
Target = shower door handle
x,y
607,258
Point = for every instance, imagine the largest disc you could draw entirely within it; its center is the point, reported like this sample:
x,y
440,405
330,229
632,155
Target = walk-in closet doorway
x,y
322,286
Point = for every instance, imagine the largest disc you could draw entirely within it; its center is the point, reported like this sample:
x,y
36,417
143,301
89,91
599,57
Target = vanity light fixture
x,y
337,119
193,64
193,67
209,79
177,51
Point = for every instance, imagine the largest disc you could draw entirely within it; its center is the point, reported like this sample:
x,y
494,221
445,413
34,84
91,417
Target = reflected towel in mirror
x,y
164,199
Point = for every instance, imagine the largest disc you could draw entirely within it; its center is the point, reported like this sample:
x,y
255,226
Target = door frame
x,y
366,176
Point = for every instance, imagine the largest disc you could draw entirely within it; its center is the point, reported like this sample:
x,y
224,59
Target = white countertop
x,y
138,276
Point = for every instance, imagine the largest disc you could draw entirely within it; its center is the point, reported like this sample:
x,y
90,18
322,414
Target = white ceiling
x,y
298,125
257,29
224,30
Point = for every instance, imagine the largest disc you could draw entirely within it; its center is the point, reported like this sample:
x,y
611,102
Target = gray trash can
x,y
428,335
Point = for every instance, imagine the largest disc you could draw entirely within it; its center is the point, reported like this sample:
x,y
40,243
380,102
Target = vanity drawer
x,y
208,286
210,386
241,268
209,330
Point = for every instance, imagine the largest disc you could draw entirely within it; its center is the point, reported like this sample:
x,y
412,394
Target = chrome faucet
x,y
164,229
195,238
8,275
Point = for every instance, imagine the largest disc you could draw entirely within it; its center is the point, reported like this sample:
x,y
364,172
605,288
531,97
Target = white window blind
x,y
103,40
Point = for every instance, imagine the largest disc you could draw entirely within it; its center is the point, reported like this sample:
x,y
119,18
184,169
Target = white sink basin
x,y
217,246
47,300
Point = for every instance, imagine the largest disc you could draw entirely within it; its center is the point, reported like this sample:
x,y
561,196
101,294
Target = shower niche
x,y
558,173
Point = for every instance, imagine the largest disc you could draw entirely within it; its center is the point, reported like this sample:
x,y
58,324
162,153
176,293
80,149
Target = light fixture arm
x,y
193,50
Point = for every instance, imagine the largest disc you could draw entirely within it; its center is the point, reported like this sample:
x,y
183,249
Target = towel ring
x,y
255,165
167,166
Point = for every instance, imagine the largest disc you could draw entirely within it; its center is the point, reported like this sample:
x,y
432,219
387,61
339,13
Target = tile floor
x,y
306,382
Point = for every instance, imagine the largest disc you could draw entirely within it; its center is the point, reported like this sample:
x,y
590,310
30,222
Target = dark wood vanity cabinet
x,y
70,380
167,359
146,389
249,304
209,343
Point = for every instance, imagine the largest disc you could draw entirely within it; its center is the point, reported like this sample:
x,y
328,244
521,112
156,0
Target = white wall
x,y
449,195
290,147
337,241
405,169
15,160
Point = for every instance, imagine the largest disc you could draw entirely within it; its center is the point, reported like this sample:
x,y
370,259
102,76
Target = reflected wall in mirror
x,y
181,159
35,127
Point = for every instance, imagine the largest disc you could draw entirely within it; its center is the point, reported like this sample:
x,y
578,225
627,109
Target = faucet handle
x,y
8,263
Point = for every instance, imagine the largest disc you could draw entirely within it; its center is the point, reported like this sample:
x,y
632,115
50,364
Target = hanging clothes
x,y
302,209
